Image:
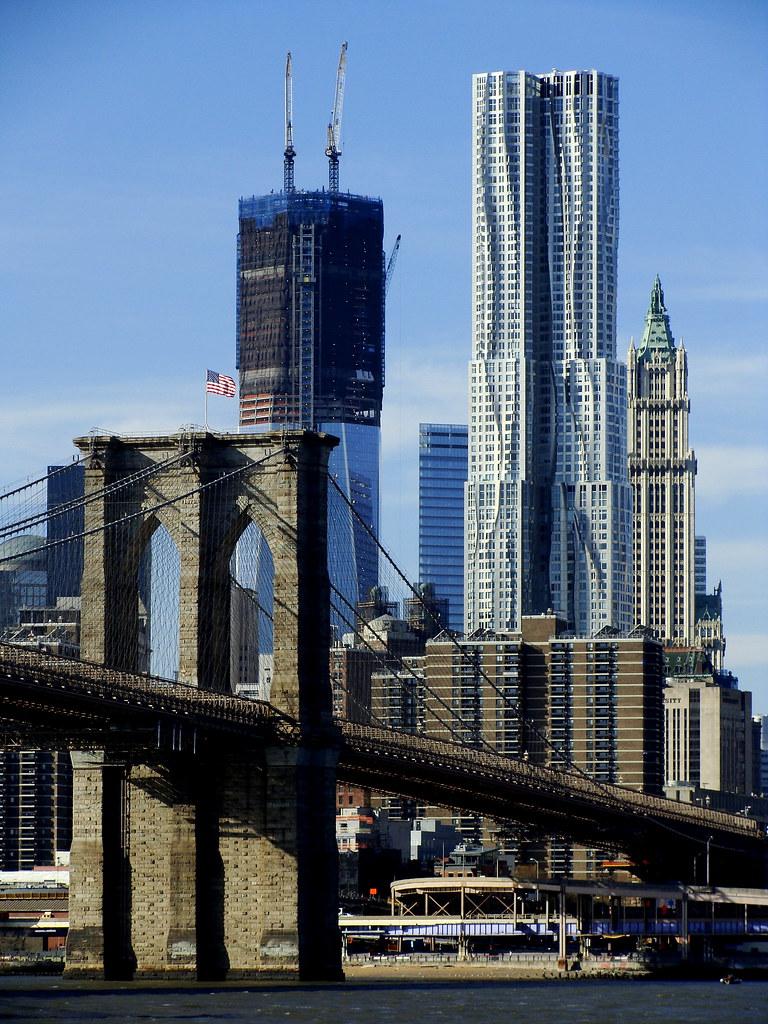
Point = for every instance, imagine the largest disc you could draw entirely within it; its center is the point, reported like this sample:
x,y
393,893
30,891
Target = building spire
x,y
657,297
657,340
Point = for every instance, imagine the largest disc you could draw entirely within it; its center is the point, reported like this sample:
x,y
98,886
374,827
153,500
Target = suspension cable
x,y
42,479
144,512
87,499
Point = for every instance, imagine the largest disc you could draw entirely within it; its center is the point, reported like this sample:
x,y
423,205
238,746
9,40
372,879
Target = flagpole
x,y
206,402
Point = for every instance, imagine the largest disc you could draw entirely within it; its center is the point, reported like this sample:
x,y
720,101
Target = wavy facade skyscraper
x,y
548,502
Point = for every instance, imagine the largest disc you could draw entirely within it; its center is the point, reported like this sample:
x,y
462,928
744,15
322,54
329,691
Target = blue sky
x,y
130,130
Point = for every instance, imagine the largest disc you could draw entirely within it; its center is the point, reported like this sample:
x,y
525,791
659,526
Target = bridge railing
x,y
566,783
94,680
32,667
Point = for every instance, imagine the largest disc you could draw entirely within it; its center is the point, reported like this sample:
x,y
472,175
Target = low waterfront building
x,y
567,921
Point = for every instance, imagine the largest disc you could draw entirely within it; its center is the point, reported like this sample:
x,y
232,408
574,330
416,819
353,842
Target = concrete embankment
x,y
401,969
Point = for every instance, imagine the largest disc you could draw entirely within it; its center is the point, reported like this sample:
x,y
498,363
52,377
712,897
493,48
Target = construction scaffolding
x,y
310,335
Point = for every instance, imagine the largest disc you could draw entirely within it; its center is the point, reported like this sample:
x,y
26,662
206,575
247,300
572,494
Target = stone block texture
x,y
220,863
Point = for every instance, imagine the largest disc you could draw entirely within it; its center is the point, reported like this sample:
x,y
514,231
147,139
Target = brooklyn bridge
x,y
203,836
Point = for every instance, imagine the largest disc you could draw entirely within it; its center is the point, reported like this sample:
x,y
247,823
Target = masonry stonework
x,y
221,862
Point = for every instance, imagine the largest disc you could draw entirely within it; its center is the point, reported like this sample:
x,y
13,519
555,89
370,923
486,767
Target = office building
x,y
310,346
350,671
40,609
548,506
425,613
442,477
662,471
35,807
23,576
760,754
597,701
65,488
708,733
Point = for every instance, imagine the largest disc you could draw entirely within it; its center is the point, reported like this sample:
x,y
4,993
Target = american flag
x,y
219,384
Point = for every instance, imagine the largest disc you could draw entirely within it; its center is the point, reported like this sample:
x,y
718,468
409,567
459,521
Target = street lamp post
x,y
707,862
532,860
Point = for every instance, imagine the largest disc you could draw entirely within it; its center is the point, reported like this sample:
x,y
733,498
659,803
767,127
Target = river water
x,y
521,1002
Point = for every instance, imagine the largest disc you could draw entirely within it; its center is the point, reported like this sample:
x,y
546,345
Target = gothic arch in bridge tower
x,y
206,490
158,591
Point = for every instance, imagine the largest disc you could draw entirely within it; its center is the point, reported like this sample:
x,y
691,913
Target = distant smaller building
x,y
708,633
443,463
760,753
23,576
468,861
708,727
53,630
351,669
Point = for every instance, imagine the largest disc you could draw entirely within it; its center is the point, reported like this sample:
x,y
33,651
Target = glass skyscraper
x,y
310,343
548,503
442,476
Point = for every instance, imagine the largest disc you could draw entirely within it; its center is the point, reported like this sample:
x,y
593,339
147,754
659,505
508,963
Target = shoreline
x,y
506,971
467,971
402,972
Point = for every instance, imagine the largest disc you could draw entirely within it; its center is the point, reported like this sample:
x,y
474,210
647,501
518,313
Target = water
x,y
490,1002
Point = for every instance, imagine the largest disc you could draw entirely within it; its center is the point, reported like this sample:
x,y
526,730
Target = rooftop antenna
x,y
333,148
290,152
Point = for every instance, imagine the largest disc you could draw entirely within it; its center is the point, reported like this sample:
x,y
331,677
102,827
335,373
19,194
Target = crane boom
x,y
290,152
391,265
333,146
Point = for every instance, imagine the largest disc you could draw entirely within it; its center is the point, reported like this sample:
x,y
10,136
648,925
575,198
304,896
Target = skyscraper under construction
x,y
310,333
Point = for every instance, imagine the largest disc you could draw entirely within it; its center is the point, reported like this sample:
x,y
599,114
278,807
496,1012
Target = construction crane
x,y
391,265
333,147
290,152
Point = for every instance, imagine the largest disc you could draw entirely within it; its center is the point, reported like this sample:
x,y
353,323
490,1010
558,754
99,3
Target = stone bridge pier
x,y
217,861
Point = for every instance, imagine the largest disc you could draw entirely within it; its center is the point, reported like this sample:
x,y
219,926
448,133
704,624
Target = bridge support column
x,y
266,866
99,898
163,872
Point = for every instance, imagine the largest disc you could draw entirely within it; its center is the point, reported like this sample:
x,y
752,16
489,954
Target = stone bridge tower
x,y
219,861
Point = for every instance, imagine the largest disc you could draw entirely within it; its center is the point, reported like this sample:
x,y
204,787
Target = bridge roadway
x,y
58,703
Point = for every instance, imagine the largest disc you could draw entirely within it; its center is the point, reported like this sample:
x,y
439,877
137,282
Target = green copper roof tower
x,y
662,471
657,337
